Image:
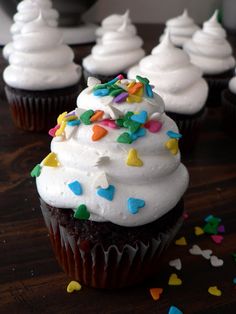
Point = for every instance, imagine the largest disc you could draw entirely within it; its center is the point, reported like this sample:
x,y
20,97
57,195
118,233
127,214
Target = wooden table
x,y
32,282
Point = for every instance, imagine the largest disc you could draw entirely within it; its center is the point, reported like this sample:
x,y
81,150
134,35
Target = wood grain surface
x,y
30,278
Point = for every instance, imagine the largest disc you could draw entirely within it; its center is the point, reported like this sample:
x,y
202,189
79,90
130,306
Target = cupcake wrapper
x,y
102,78
110,268
228,115
38,112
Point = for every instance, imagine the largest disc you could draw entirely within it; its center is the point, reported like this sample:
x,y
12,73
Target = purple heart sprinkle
x,y
120,98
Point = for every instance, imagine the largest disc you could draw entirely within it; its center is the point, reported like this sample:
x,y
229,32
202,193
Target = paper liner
x,y
228,116
38,112
110,268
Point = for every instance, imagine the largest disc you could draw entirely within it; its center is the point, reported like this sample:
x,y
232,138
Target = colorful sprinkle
x,y
86,116
196,250
132,125
140,117
133,98
51,160
97,116
176,263
221,229
217,238
101,179
173,134
143,80
61,117
75,187
174,280
210,228
216,261
133,88
124,138
52,131
140,133
181,241
73,286
110,123
121,97
98,132
36,171
198,231
215,291
153,126
61,130
134,204
132,159
73,123
148,91
174,310
107,193
234,280
115,92
155,293
101,92
172,146
82,212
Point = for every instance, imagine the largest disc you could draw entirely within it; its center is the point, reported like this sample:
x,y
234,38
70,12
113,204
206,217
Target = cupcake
x,y
27,11
111,189
41,80
114,53
229,107
179,83
209,50
113,22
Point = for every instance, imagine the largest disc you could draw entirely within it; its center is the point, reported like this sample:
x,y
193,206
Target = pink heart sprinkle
x,y
185,215
221,229
217,238
52,131
153,126
110,123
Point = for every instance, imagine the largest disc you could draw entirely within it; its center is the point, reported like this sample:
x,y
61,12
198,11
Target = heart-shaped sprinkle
x,y
124,138
101,181
214,291
121,97
133,87
140,117
97,116
212,219
132,159
185,215
133,98
221,229
140,133
52,131
210,228
36,171
116,92
174,310
73,122
73,286
198,231
82,212
132,125
107,193
51,160
86,116
101,92
176,263
61,129
153,126
141,79
120,122
234,280
174,280
134,204
61,117
110,123
156,293
148,91
98,132
181,241
172,146
217,238
196,250
216,262
173,134
75,187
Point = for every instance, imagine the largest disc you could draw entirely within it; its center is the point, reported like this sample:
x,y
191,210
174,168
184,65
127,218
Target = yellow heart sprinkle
x,y
73,286
140,92
198,231
70,118
51,160
61,129
133,98
174,280
131,84
133,159
181,241
215,291
173,145
61,117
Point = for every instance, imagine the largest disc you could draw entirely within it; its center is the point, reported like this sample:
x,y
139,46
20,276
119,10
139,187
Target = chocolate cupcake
x,y
111,188
41,80
229,108
209,50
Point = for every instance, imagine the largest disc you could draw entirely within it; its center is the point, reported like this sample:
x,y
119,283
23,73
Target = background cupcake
x,y
209,50
229,107
41,80
179,83
111,189
115,53
180,28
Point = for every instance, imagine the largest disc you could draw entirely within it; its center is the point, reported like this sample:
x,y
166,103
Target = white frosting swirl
x,y
160,182
176,80
39,60
209,48
232,85
181,29
27,11
117,51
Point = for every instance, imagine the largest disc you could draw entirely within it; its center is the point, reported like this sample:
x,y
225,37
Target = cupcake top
x,y
178,82
113,22
39,60
232,85
115,158
116,51
181,28
27,11
209,48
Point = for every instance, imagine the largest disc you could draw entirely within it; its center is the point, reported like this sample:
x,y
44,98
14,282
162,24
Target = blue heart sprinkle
x,y
140,117
75,187
73,122
173,134
209,217
148,91
107,193
101,92
134,204
234,280
174,310
140,133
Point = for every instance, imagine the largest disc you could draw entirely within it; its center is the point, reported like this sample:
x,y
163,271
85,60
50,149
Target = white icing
x,y
161,181
27,11
176,80
181,29
116,52
39,60
232,85
209,48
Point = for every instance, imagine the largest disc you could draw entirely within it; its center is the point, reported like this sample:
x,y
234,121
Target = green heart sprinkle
x,y
210,229
128,115
120,122
82,212
36,171
116,92
124,138
141,79
100,86
132,125
85,117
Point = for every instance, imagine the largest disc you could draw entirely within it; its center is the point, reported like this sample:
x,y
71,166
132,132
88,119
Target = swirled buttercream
x,y
176,80
39,60
159,181
181,29
209,49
